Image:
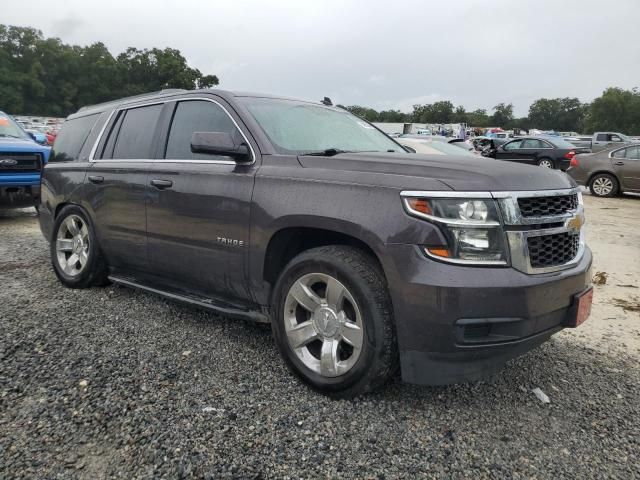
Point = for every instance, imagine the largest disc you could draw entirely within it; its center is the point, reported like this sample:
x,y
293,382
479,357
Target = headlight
x,y
471,226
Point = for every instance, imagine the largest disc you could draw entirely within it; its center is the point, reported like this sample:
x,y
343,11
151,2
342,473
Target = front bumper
x,y
19,196
457,323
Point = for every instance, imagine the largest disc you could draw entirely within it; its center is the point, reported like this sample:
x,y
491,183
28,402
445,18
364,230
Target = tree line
x,y
616,110
43,76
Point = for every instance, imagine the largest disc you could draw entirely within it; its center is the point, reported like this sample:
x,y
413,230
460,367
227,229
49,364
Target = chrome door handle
x,y
161,184
96,178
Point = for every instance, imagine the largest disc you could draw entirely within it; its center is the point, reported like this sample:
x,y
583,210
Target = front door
x,y
116,186
199,205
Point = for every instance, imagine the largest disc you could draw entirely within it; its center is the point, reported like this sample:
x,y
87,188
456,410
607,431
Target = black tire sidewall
x,y
87,276
363,372
614,191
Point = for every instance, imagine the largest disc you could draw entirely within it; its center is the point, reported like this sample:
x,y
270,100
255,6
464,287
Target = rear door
x,y
117,182
626,164
199,204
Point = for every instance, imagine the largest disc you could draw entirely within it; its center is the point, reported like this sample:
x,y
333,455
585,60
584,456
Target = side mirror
x,y
219,143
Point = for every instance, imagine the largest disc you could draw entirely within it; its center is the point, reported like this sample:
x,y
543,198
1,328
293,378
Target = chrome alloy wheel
x,y
546,163
603,186
323,324
72,245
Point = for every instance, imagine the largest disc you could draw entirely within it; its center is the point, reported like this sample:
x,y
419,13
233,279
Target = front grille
x,y
553,250
17,162
547,206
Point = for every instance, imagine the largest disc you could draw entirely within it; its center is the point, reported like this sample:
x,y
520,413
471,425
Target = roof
x,y
227,94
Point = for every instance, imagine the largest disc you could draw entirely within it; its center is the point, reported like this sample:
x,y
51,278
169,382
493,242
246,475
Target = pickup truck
x,y
21,161
599,141
363,257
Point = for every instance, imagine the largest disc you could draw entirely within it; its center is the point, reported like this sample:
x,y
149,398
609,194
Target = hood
x,y
458,173
23,145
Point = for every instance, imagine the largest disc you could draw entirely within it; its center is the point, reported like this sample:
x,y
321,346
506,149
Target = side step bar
x,y
203,302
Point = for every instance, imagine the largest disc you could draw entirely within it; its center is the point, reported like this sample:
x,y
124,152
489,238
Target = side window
x,y
620,153
71,138
615,138
135,136
533,143
601,137
196,116
515,145
633,153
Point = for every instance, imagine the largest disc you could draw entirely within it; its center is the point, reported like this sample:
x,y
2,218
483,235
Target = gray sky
x,y
383,54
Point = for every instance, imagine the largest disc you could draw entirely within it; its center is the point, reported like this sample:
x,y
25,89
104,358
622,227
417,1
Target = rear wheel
x,y
333,321
75,254
604,185
546,163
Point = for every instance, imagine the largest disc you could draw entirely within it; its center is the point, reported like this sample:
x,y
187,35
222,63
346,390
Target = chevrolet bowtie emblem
x,y
575,223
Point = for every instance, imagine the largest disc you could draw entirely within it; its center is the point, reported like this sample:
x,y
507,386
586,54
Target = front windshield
x,y
299,128
9,128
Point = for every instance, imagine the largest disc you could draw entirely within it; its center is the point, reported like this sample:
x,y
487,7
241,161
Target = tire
x,y
74,235
331,334
546,163
604,185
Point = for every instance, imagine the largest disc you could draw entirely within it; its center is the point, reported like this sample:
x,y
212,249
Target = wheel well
x,y
59,208
605,172
289,242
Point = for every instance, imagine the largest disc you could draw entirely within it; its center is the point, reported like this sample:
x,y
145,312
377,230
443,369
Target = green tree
x,y
438,112
45,76
478,118
368,114
615,110
563,114
503,115
393,116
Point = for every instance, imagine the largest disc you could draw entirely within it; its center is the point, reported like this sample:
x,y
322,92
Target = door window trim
x,y
92,158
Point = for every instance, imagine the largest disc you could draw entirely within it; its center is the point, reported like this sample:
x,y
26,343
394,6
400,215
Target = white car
x,y
433,147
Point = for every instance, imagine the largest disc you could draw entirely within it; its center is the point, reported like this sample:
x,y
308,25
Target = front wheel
x,y
75,254
333,321
604,185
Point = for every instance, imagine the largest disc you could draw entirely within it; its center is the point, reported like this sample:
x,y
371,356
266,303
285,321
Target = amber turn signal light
x,y
420,205
438,251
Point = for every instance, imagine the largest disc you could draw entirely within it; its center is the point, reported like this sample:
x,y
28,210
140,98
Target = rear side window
x,y
602,137
71,138
533,143
135,136
196,116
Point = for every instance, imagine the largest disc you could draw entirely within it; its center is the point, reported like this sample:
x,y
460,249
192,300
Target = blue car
x,y
21,162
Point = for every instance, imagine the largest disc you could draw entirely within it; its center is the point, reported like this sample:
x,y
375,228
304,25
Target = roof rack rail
x,y
133,97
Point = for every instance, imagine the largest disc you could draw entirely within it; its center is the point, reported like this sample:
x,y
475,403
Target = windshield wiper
x,y
10,136
329,152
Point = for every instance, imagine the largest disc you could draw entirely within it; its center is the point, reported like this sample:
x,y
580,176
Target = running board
x,y
203,302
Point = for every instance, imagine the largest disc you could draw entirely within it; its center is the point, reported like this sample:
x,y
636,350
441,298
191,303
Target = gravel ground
x,y
110,382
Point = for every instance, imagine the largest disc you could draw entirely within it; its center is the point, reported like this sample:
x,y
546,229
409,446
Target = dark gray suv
x,y
363,257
